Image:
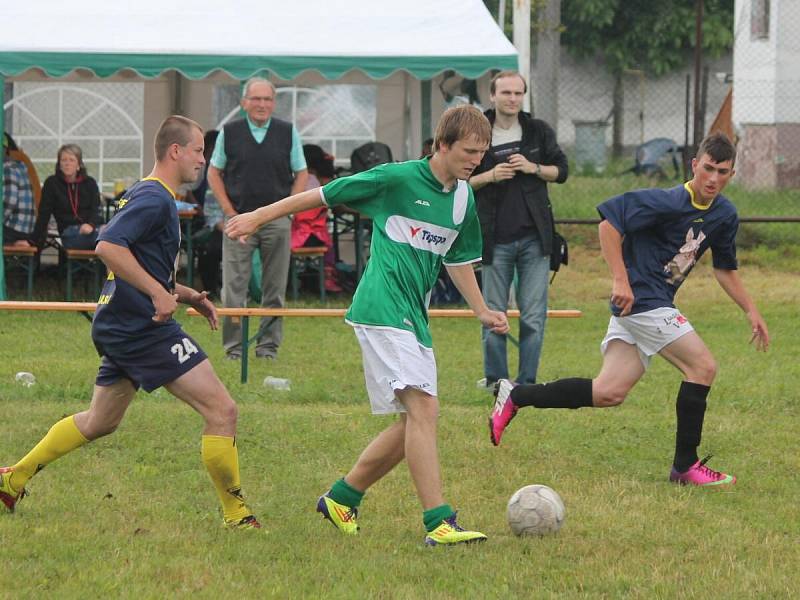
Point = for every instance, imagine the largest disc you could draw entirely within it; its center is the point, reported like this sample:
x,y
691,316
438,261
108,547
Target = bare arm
x,y
240,226
523,165
733,286
463,277
611,248
217,185
300,182
500,172
200,301
121,261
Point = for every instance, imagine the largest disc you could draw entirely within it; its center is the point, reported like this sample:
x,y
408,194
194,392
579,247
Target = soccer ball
x,y
535,510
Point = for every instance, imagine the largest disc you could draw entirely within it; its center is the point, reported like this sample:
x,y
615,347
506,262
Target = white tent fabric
x,y
244,37
241,37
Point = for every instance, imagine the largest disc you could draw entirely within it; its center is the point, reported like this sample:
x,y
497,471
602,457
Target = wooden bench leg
x,y
31,263
294,267
96,270
69,279
321,271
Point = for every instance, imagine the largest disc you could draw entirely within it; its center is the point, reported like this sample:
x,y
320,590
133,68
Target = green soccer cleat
x,y
450,533
8,496
344,518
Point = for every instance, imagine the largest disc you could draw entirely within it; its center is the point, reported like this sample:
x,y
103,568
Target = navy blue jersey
x,y
147,224
664,234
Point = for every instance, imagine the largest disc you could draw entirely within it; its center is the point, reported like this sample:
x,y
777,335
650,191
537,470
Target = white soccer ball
x,y
535,510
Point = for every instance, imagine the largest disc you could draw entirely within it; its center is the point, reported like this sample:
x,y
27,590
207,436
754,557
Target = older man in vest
x,y
257,160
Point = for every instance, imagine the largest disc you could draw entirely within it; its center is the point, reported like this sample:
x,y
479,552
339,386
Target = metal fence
x,y
751,91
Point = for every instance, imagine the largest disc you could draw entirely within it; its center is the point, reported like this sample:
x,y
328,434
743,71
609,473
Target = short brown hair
x,y
459,123
503,75
76,151
173,130
718,147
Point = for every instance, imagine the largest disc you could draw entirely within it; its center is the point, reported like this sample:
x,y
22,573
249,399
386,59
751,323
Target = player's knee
x,y
97,429
228,411
422,407
603,397
703,371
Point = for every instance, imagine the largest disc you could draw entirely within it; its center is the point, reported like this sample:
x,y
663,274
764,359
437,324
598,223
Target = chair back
x,y
369,155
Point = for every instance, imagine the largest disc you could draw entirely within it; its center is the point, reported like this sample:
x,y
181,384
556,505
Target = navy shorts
x,y
152,365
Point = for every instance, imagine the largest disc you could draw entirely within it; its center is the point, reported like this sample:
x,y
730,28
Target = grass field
x,y
134,515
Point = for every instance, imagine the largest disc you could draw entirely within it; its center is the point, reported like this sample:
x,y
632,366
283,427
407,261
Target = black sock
x,y
690,408
574,392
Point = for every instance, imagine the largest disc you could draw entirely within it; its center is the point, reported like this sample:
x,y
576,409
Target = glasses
x,y
259,98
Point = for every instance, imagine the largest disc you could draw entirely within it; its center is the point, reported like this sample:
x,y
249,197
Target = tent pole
x,y
2,135
522,42
425,109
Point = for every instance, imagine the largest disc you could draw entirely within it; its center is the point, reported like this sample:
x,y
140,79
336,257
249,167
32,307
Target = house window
x,y
337,117
104,119
759,20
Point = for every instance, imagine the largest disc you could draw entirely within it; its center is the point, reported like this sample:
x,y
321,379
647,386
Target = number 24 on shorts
x,y
184,350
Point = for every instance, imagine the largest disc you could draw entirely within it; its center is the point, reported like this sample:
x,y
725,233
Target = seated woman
x,y
310,227
72,197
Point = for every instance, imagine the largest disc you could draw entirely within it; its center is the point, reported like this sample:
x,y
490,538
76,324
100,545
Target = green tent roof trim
x,y
197,66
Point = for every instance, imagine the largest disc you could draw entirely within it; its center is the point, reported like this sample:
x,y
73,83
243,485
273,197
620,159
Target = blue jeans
x,y
73,239
524,255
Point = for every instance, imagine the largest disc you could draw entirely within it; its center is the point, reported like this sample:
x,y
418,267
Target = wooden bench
x,y
83,260
245,313
305,258
25,258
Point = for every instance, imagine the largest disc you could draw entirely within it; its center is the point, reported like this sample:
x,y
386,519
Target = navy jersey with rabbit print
x,y
665,232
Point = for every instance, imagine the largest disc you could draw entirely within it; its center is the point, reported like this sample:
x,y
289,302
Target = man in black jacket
x,y
516,222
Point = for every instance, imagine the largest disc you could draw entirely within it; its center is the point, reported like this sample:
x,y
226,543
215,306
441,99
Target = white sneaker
x,y
482,384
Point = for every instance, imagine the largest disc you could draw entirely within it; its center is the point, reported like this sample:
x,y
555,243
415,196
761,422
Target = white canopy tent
x,y
245,37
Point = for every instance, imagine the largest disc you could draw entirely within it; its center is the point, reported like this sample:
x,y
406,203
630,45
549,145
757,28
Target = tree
x,y
655,37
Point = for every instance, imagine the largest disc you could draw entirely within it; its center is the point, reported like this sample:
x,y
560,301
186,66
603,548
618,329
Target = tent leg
x,y
425,109
2,134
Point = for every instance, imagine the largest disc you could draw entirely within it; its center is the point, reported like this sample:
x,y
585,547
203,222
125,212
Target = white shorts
x,y
649,331
394,360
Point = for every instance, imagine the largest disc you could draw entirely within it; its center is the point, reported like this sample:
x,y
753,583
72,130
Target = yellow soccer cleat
x,y
8,496
248,522
344,518
449,533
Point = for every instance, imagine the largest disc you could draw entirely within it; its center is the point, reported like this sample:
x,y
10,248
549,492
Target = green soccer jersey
x,y
417,226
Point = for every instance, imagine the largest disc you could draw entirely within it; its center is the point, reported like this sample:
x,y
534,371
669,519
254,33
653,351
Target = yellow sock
x,y
221,459
62,438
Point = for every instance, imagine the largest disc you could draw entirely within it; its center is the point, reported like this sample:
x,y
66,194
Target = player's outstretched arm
x,y
240,226
733,286
611,248
200,302
463,277
121,261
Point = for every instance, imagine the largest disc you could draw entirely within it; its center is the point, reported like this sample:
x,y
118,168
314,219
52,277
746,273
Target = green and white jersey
x,y
417,226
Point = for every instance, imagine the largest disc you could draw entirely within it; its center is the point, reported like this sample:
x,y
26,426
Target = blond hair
x,y
459,123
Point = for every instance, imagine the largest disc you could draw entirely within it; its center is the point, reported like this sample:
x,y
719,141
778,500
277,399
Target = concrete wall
x,y
766,103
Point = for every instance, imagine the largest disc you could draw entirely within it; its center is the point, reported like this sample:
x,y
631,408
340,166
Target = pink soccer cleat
x,y
699,474
504,410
